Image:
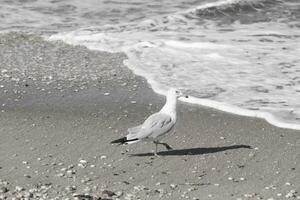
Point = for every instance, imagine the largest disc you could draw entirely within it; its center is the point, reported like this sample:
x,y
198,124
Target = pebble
x,y
86,180
291,194
173,186
25,162
60,174
109,193
27,176
82,163
28,194
3,189
19,188
63,169
71,171
119,193
70,166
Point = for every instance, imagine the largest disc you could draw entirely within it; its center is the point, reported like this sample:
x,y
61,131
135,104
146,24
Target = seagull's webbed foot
x,y
168,147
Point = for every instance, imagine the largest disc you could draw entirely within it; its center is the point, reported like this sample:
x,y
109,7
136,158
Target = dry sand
x,y
61,105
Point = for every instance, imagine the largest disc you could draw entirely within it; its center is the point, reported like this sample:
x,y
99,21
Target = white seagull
x,y
156,125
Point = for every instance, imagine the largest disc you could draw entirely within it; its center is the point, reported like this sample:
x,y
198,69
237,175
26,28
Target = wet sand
x,y
61,105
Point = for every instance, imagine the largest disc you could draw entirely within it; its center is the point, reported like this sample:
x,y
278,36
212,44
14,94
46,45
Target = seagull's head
x,y
177,93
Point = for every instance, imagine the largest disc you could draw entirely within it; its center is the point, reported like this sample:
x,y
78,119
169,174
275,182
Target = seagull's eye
x,y
177,92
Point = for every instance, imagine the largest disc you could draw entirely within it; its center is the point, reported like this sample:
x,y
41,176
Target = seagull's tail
x,y
124,141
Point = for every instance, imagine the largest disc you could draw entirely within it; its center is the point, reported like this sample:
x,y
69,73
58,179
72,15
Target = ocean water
x,y
239,56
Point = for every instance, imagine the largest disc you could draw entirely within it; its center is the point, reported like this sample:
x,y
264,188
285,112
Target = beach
x,y
61,105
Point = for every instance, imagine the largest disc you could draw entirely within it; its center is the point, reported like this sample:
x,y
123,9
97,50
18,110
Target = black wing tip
x,y
119,141
122,140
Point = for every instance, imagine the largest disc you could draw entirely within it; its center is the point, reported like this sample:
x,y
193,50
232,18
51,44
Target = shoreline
x,y
55,130
221,106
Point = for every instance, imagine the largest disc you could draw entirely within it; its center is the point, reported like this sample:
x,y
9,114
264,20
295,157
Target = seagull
x,y
156,125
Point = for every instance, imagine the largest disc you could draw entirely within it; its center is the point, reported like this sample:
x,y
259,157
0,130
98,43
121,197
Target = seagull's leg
x,y
156,143
168,147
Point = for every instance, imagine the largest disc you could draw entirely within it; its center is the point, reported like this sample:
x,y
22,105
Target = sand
x,y
61,105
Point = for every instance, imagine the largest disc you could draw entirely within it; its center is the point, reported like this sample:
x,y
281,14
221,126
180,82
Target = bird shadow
x,y
194,151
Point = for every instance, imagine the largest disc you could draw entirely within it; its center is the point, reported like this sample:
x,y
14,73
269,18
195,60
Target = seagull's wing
x,y
132,132
156,125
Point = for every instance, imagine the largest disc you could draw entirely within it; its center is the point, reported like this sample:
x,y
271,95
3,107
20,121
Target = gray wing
x,y
132,132
156,125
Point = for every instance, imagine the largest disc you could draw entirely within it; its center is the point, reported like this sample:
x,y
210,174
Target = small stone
x,y
83,161
291,194
119,193
60,174
63,169
86,180
103,157
173,186
192,189
3,190
70,188
248,195
19,188
70,172
28,195
81,165
27,176
108,193
106,94
71,166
